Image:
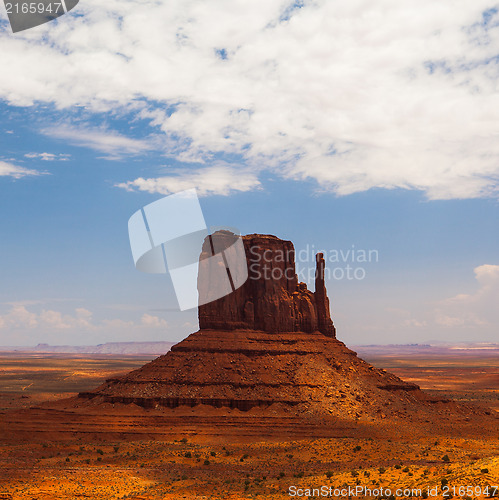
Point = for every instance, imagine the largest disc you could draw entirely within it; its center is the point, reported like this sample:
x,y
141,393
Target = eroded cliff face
x,y
272,300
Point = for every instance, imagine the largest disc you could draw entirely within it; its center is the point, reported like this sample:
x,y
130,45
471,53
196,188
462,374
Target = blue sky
x,y
334,126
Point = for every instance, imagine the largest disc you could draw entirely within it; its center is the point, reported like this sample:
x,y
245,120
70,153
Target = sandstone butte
x,y
265,359
269,344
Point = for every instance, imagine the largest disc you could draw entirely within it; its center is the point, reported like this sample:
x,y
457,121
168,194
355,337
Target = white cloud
x,y
20,318
473,310
153,321
352,94
48,156
221,180
111,143
10,170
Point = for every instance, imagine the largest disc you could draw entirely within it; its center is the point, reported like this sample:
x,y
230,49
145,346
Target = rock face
x,y
272,300
269,343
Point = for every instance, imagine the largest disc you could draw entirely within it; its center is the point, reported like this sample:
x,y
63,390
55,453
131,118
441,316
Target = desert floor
x,y
407,462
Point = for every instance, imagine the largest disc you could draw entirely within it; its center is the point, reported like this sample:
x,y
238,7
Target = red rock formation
x,y
265,362
270,342
272,300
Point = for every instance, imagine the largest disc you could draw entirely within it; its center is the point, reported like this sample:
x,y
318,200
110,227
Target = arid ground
x,y
407,461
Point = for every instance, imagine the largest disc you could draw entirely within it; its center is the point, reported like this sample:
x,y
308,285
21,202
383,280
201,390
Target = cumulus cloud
x,y
353,95
473,310
221,180
153,321
20,318
14,171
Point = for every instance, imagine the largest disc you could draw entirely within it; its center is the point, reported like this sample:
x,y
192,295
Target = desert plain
x,y
385,459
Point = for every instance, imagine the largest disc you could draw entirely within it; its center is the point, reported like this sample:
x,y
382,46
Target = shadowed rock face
x,y
272,300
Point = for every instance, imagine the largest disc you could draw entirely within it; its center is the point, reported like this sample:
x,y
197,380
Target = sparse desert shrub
x,y
446,458
329,474
212,453
444,481
484,471
188,454
405,469
398,466
381,470
206,462
357,448
116,449
299,474
100,452
183,440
